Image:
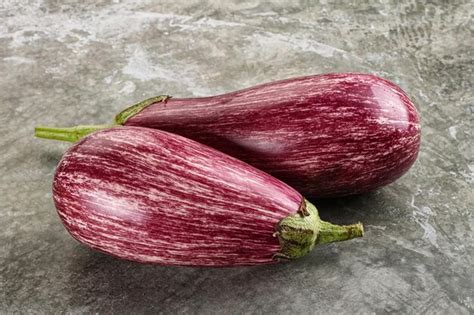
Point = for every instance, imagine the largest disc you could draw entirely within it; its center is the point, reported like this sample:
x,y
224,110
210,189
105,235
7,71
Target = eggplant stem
x,y
69,134
298,233
74,134
329,233
122,117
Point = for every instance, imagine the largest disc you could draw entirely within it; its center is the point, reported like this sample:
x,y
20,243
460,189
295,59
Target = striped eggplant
x,y
155,197
325,135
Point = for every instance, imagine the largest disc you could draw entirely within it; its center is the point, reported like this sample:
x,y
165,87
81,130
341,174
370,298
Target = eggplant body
x,y
325,135
150,196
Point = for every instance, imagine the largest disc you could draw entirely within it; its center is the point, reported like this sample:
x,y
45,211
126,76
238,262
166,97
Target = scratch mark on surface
x,y
422,217
452,132
19,60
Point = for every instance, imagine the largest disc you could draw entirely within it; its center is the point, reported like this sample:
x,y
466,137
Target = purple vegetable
x,y
325,135
151,196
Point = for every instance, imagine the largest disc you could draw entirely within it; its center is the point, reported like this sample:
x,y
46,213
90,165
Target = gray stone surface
x,y
75,63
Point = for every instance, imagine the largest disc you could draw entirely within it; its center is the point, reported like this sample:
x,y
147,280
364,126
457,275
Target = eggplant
x,y
325,135
154,197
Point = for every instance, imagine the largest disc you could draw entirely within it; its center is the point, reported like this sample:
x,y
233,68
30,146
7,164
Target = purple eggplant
x,y
155,197
325,135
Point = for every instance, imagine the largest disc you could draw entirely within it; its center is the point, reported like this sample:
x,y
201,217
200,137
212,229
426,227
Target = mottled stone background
x,y
75,62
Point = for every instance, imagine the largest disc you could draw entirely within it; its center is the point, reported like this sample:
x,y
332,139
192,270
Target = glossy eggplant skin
x,y
325,135
154,197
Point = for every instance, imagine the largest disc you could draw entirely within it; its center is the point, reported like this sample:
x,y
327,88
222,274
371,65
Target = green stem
x,y
298,233
131,111
74,134
329,233
71,134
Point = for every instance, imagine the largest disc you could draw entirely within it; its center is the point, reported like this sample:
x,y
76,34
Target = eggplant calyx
x,y
298,233
122,117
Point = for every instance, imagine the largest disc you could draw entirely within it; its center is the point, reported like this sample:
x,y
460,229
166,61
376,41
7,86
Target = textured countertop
x,y
69,64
